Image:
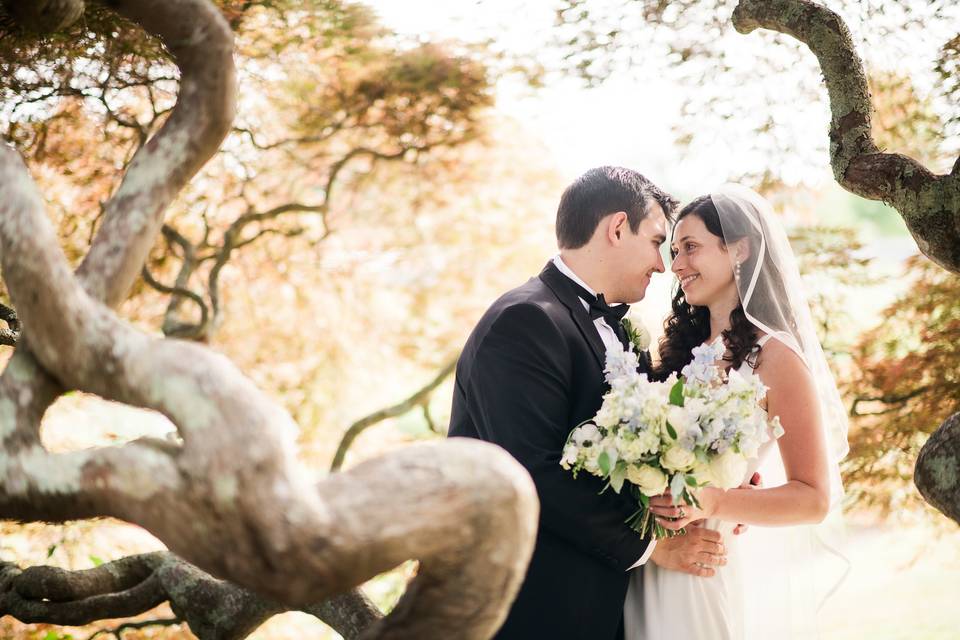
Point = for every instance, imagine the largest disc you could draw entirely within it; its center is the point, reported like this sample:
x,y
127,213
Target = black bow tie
x,y
600,309
613,315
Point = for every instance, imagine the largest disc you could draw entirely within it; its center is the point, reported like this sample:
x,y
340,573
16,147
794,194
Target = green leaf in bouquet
x,y
603,461
671,431
614,456
618,475
691,481
676,394
676,487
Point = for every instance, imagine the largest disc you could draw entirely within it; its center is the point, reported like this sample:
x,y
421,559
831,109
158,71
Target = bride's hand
x,y
676,517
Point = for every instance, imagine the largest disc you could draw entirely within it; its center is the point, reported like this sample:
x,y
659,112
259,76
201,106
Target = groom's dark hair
x,y
600,192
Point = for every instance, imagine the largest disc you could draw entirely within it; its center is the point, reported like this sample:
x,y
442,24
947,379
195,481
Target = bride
x,y
739,283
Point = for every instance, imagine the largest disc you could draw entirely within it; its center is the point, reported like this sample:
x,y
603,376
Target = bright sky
x,y
628,122
623,122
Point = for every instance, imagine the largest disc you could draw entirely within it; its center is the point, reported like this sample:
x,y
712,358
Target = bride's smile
x,y
686,280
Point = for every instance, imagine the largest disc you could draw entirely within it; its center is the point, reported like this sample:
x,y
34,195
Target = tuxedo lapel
x,y
562,287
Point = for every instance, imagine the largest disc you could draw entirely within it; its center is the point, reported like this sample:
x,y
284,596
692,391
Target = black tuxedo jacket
x,y
529,373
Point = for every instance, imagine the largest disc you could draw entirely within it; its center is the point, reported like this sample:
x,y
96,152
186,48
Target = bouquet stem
x,y
642,521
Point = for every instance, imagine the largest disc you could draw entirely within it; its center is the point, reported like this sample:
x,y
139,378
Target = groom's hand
x,y
696,552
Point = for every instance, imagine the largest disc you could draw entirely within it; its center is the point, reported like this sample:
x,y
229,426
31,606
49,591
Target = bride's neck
x,y
720,317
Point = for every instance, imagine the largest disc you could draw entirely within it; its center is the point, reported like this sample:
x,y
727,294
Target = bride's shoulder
x,y
779,364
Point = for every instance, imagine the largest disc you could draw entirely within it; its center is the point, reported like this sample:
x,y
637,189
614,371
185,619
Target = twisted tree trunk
x,y
232,499
928,203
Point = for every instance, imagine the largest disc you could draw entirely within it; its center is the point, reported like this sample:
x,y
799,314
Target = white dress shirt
x,y
610,340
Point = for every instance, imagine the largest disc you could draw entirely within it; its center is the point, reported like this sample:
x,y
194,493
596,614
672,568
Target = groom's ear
x,y
617,225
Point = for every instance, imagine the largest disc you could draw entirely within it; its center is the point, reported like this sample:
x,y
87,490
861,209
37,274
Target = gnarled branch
x,y
928,203
11,334
937,474
201,42
465,509
212,608
329,540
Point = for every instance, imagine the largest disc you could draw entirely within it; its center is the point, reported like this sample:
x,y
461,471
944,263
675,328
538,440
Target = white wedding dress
x,y
671,605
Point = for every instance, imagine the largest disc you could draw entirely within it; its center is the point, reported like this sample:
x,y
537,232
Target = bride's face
x,y
701,263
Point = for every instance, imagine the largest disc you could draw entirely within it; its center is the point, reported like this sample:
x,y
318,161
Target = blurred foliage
x,y
421,205
440,205
727,79
906,382
948,74
832,263
329,99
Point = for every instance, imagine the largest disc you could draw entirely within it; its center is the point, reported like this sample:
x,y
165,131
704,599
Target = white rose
x,y
728,469
701,473
677,459
650,480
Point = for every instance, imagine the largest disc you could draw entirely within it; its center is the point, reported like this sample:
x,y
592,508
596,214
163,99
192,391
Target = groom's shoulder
x,y
532,304
529,298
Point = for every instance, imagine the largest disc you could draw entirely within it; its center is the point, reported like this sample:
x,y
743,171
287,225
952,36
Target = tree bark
x,y
232,499
928,203
213,609
937,474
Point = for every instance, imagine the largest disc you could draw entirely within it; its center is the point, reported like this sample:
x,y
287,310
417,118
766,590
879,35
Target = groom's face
x,y
641,254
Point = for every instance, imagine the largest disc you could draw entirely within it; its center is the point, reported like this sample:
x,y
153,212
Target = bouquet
x,y
683,433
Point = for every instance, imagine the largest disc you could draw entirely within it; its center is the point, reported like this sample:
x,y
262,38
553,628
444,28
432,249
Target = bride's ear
x,y
739,250
617,225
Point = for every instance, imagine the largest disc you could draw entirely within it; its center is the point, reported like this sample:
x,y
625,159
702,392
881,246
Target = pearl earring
x,y
736,270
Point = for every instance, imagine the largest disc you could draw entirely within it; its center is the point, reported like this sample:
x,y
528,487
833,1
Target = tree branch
x,y
212,608
182,330
201,43
937,474
117,632
888,399
465,509
928,203
287,541
418,398
10,336
46,16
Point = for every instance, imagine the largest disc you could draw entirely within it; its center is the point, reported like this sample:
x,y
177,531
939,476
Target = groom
x,y
533,369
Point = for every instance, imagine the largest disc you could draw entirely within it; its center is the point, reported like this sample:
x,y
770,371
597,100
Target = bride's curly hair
x,y
688,326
